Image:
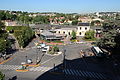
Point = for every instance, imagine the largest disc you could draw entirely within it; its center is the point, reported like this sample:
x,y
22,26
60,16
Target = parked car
x,y
45,49
41,46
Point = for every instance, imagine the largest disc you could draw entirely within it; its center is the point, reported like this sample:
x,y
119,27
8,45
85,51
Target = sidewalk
x,y
8,57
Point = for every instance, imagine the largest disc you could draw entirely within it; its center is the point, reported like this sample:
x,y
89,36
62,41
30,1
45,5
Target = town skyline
x,y
76,6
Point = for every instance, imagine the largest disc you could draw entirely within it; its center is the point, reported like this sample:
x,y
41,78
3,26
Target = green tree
x,y
75,22
2,26
73,34
109,40
89,35
56,49
2,76
41,19
23,34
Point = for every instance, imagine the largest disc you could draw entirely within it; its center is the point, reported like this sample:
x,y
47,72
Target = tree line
x,y
23,34
5,43
22,17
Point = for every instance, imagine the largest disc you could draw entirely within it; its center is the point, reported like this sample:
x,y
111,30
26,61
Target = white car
x,y
41,46
46,48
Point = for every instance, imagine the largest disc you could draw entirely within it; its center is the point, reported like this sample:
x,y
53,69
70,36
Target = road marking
x,y
47,60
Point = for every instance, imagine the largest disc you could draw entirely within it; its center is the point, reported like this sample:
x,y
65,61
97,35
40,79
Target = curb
x,y
6,60
19,70
32,65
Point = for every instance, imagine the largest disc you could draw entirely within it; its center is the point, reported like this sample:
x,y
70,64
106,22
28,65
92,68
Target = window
x,y
80,28
59,32
80,33
85,28
69,33
64,32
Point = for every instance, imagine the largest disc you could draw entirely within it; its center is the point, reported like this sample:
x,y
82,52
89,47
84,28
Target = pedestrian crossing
x,y
40,68
84,74
10,67
67,72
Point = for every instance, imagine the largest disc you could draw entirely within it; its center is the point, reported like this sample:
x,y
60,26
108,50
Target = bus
x,y
98,52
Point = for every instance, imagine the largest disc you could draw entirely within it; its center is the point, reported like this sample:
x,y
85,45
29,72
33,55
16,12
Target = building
x,y
85,19
51,36
66,31
13,23
80,30
98,31
10,23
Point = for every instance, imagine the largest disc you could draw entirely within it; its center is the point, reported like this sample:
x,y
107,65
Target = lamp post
x,y
26,59
64,51
37,55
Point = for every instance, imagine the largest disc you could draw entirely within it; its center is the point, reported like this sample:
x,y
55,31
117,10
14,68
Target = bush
x,y
53,50
2,76
56,49
89,35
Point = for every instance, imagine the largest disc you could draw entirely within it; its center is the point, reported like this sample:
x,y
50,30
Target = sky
x,y
61,6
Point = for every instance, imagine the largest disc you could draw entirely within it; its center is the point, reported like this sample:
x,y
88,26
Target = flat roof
x,y
66,29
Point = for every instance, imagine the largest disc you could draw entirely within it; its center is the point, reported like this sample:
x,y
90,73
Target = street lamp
x,y
64,51
37,55
64,59
26,59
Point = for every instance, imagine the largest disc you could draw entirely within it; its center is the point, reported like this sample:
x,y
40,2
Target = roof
x,y
94,28
47,33
66,29
83,24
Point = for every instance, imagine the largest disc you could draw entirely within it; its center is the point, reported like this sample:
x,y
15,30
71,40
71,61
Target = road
x,y
76,68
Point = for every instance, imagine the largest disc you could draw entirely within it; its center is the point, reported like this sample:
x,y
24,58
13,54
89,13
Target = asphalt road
x,y
90,67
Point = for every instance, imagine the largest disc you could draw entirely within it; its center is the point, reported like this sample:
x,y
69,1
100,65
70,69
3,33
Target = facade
x,y
80,30
65,31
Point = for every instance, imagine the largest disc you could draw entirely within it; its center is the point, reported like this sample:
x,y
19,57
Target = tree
x,y
89,35
96,21
2,26
4,42
41,19
109,40
73,34
75,22
2,76
23,34
56,49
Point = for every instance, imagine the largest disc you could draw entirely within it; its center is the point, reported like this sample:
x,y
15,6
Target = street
x,y
75,67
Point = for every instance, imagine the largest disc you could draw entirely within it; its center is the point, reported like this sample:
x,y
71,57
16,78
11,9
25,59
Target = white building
x,y
80,30
66,31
